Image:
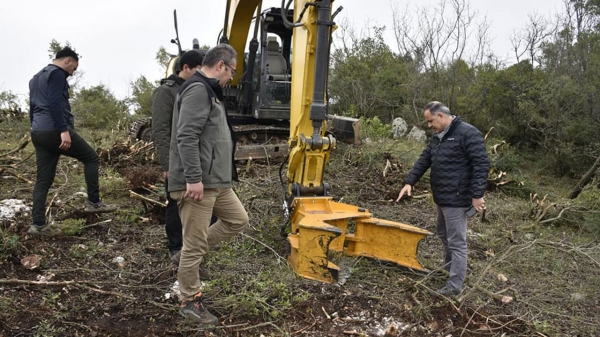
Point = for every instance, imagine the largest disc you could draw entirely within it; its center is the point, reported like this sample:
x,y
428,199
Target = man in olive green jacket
x,y
163,100
201,173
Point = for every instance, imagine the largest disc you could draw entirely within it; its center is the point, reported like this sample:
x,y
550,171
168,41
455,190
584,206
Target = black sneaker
x,y
99,207
194,309
448,291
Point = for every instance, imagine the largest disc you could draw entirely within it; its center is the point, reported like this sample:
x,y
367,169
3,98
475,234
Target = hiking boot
x,y
99,207
175,256
448,291
203,272
194,309
37,230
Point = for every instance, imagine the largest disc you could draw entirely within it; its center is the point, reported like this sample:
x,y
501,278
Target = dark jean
x,y
172,223
47,153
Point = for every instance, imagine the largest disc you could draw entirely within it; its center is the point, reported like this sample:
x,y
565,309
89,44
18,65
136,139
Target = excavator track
x,y
254,141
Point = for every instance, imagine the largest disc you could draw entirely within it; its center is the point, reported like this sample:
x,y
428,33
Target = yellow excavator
x,y
257,100
284,77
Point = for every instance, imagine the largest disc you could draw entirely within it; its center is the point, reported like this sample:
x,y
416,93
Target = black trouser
x,y
172,223
47,153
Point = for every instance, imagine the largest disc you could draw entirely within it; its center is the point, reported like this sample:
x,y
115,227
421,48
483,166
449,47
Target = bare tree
x,y
441,34
532,38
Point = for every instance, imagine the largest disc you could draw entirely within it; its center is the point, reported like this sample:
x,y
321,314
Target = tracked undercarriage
x,y
256,141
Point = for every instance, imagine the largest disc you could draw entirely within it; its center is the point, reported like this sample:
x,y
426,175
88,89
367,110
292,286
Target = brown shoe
x,y
194,309
203,273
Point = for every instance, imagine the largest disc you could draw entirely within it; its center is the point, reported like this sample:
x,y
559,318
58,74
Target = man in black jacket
x,y
459,168
53,134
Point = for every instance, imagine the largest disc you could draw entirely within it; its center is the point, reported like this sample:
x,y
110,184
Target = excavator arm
x,y
319,226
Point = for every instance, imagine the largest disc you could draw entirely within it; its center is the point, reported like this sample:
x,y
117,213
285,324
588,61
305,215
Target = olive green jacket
x,y
163,99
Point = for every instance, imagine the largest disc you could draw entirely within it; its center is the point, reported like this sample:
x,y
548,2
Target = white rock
x,y
399,127
417,134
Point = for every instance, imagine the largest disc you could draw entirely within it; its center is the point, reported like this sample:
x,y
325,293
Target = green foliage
x,y
374,128
86,250
7,307
50,299
264,296
127,217
8,101
48,329
111,182
9,242
589,198
72,227
162,58
503,157
367,78
141,98
96,107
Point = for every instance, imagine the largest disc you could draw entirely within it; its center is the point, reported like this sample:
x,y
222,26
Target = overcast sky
x,y
118,40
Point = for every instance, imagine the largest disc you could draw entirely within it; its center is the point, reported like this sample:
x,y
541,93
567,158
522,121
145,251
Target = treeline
x,y
544,103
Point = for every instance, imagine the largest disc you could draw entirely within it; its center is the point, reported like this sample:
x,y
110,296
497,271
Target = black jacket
x,y
49,100
163,99
459,165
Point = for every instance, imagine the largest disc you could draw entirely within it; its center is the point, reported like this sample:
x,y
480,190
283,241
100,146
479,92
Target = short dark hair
x,y
192,58
67,52
435,107
222,52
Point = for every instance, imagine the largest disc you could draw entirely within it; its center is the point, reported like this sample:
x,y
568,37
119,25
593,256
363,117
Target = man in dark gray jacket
x,y
201,173
459,168
163,100
53,134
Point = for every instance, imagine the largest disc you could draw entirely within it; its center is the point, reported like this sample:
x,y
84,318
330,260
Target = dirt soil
x,y
80,288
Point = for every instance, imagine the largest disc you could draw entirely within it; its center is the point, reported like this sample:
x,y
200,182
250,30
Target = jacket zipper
x,y
211,162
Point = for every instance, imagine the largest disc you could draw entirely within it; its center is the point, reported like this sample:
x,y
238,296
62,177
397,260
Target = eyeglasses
x,y
233,71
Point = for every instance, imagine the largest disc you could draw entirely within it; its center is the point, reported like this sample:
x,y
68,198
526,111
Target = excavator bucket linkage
x,y
320,225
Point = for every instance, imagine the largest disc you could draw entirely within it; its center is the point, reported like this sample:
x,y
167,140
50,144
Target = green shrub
x,y
86,250
374,128
72,227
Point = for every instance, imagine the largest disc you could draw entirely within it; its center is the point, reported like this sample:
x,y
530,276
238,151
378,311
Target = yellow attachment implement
x,y
319,226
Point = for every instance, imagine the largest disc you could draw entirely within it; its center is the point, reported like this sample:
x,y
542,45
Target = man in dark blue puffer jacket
x,y
459,168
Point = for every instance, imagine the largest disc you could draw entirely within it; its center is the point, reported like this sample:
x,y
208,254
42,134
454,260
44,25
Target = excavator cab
x,y
273,93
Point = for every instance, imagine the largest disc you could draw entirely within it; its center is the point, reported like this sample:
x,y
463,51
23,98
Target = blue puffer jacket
x,y
49,100
459,166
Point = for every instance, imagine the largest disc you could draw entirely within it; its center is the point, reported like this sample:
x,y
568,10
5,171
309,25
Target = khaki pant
x,y
198,237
